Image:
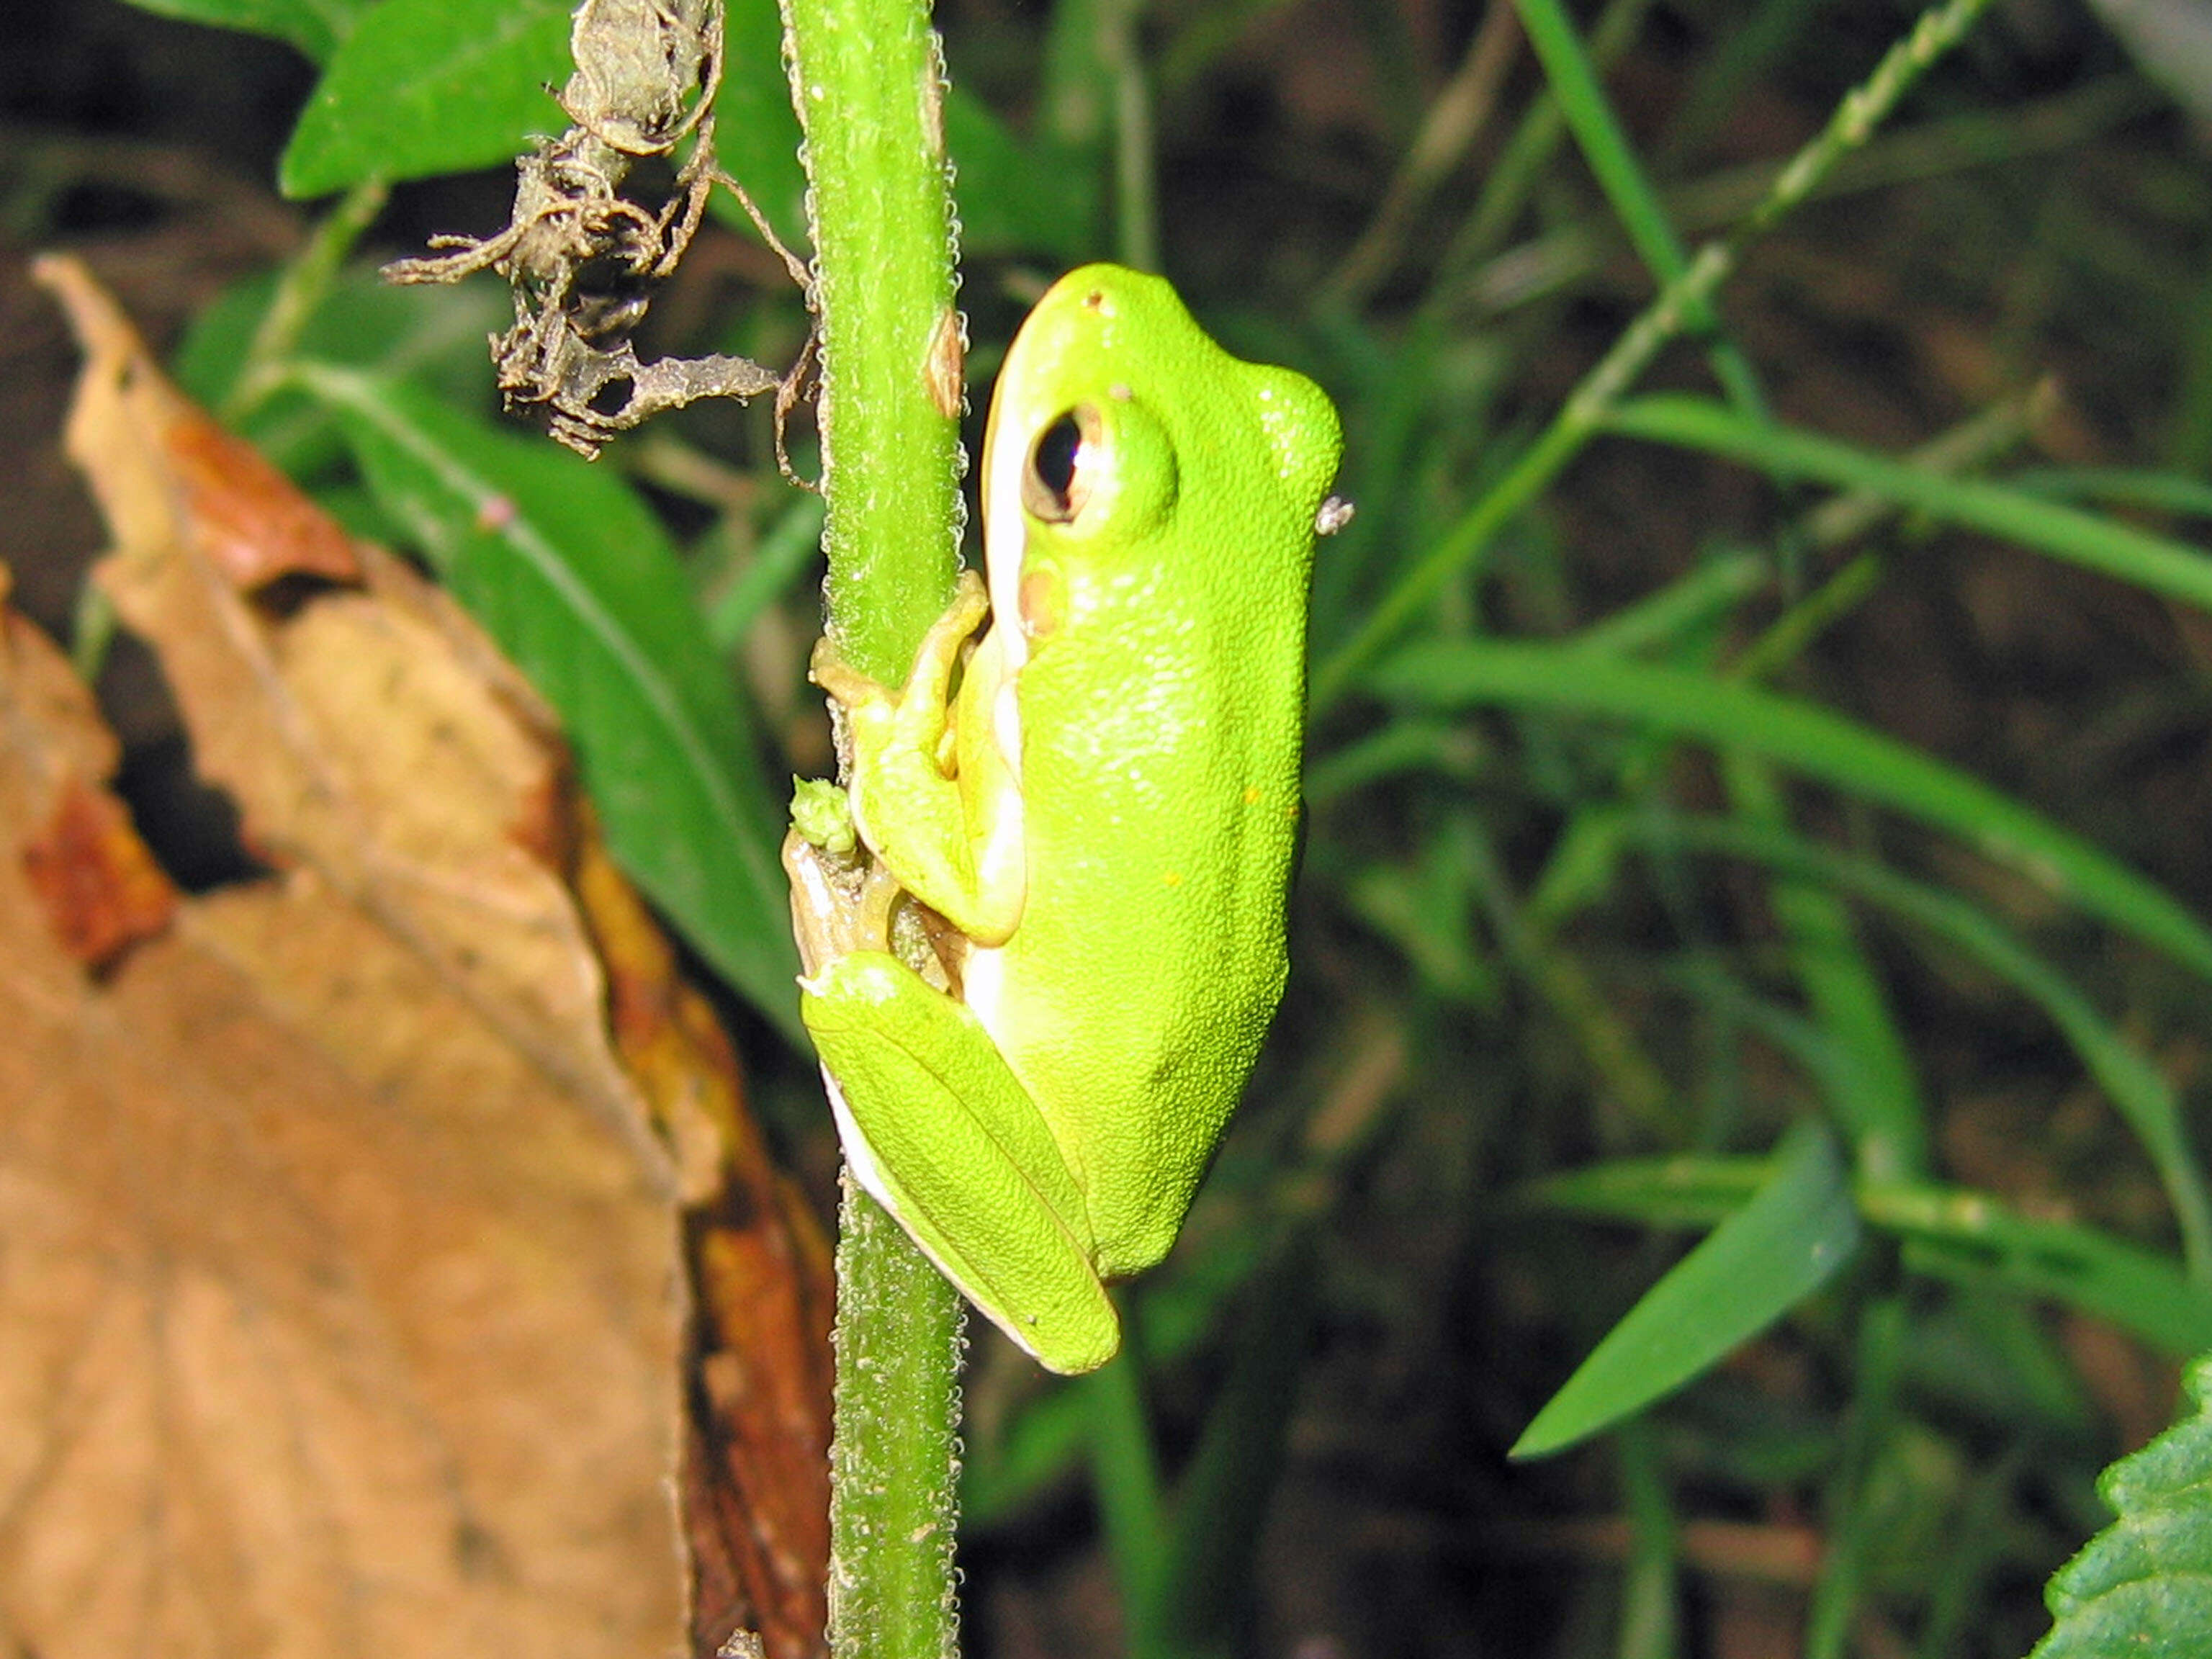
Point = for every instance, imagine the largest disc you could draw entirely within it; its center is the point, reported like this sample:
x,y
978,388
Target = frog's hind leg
x,y
943,1134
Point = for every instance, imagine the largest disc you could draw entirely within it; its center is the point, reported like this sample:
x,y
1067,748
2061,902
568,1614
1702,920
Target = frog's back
x,y
1150,958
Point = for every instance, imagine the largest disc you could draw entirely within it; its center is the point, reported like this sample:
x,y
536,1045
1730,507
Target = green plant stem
x,y
866,80
1136,217
1680,302
866,84
304,283
1605,146
894,1489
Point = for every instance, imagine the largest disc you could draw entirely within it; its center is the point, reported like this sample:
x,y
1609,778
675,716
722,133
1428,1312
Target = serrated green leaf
x,y
569,571
2144,1586
316,27
424,86
1781,1246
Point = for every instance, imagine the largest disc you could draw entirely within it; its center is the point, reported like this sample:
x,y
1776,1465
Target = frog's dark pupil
x,y
1053,460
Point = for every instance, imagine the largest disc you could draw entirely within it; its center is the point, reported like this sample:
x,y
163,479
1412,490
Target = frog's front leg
x,y
940,1131
933,790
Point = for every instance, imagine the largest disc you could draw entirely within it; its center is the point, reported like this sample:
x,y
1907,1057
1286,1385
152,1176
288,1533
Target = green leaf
x,y
570,572
432,336
425,87
1753,1268
316,27
1017,197
2144,1586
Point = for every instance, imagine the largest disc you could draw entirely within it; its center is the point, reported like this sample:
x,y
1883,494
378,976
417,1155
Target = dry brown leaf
x,y
757,1471
340,1282
372,735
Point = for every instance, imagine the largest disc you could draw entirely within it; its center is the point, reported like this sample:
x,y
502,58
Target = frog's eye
x,y
1055,485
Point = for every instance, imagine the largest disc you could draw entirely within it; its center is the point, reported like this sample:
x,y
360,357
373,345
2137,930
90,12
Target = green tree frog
x,y
1101,816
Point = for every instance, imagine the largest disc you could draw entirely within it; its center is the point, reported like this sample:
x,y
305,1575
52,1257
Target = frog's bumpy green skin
x,y
1114,840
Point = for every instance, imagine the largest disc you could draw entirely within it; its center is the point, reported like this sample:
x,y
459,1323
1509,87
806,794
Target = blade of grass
x,y
1205,1591
1125,1480
1854,1524
1877,1097
1950,1233
1692,605
794,538
2137,1089
1605,146
1513,177
1812,741
1650,1616
2171,568
1782,1245
1968,1235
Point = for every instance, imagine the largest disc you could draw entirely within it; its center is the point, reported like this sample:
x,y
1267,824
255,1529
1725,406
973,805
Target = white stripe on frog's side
x,y
1001,657
1006,547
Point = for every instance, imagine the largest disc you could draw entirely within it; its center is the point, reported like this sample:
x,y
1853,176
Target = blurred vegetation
x,y
1758,781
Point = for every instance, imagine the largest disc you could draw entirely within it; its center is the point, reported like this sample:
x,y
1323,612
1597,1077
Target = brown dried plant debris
x,y
341,1268
583,259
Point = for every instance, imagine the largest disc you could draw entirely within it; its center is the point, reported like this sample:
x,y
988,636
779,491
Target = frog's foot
x,y
843,682
840,902
931,677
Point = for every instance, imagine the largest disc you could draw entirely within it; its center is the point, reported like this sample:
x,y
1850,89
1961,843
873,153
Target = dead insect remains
x,y
584,259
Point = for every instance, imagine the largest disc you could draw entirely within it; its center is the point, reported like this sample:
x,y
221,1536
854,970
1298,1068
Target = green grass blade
x,y
1205,1595
1813,743
1949,1232
1652,1192
1953,1233
1781,1246
2136,1087
2171,568
1605,146
1875,1092
793,540
570,572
